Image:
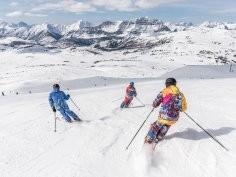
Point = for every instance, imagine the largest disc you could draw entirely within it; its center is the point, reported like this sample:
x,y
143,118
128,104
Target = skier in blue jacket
x,y
57,100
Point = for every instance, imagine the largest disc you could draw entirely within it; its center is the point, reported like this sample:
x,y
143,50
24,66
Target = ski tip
x,y
77,120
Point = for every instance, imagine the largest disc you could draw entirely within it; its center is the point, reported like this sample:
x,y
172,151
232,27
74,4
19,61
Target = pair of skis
x,y
58,118
142,104
61,119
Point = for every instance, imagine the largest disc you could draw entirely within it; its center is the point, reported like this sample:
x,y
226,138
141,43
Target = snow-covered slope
x,y
96,147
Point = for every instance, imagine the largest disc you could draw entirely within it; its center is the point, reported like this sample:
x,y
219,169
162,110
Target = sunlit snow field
x,y
96,147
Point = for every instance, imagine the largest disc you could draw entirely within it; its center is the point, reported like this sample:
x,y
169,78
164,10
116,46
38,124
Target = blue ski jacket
x,y
58,99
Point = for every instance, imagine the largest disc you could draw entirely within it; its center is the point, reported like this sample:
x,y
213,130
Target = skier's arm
x,y
66,97
183,103
51,102
157,100
127,90
135,92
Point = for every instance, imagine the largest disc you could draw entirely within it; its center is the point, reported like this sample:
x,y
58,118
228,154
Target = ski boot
x,y
68,120
149,138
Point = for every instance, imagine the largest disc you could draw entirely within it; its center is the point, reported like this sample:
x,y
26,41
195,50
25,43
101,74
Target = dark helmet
x,y
56,86
170,81
131,83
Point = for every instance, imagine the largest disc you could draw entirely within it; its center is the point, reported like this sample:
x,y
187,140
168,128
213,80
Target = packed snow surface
x,y
96,147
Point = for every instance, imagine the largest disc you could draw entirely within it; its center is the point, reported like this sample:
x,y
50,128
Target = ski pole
x,y
55,125
139,129
73,101
206,131
74,104
117,99
140,101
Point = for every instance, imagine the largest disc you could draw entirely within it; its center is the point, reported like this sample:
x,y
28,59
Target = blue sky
x,y
96,11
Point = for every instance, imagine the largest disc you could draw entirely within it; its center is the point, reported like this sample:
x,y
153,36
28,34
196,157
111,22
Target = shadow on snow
x,y
192,134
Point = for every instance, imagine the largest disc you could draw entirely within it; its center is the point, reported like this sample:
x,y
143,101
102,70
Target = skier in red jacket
x,y
130,94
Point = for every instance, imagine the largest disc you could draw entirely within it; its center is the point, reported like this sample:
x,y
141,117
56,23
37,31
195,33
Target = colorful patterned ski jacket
x,y
172,102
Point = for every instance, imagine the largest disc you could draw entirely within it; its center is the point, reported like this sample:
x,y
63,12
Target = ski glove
x,y
54,109
68,96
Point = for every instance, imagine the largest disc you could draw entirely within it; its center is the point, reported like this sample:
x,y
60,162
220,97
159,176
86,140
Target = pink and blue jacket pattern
x,y
172,102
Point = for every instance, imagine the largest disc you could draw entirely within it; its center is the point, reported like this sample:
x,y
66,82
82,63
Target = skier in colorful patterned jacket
x,y
57,101
172,102
130,94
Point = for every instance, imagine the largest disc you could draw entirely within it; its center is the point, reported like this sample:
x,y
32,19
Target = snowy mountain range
x,y
108,35
134,34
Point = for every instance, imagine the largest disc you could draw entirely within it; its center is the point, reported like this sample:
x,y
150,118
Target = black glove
x,y
68,95
54,109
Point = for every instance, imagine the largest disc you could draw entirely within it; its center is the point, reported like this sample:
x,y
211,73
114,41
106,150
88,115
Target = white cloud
x,y
14,14
66,5
120,5
14,4
21,13
34,15
131,5
78,6
146,4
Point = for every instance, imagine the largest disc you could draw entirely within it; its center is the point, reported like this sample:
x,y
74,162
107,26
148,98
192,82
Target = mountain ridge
x,y
141,32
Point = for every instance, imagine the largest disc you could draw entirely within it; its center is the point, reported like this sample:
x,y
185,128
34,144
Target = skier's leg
x,y
163,130
65,116
128,102
71,114
122,104
153,131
